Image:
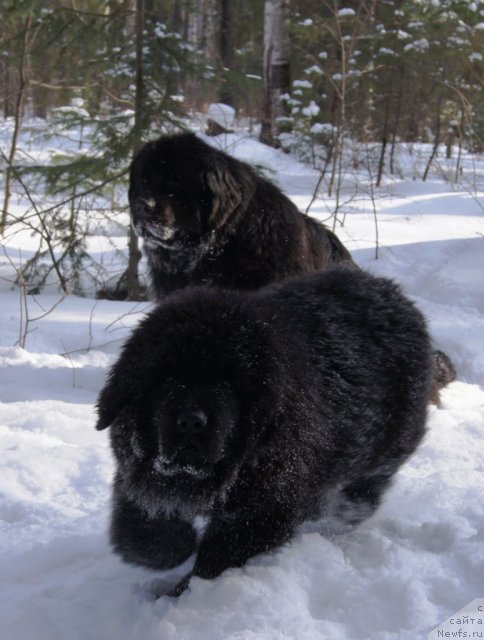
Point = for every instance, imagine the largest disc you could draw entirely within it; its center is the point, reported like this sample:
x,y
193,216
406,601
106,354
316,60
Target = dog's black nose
x,y
192,422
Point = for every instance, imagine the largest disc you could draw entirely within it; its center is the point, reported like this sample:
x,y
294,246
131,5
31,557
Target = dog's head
x,y
188,401
182,189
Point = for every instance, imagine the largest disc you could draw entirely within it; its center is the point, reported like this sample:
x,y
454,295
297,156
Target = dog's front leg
x,y
231,542
155,542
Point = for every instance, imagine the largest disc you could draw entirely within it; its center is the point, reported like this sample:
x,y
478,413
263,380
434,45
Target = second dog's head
x,y
182,189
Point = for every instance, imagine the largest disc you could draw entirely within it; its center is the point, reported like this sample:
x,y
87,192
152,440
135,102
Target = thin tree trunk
x,y
459,152
276,66
384,140
436,141
134,254
7,109
340,104
400,65
211,30
396,123
226,49
17,122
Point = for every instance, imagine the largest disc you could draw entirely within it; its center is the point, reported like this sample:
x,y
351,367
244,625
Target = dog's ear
x,y
122,390
112,402
229,188
120,418
226,195
136,372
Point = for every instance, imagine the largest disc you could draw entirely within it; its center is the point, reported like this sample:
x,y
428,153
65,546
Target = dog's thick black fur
x,y
207,218
234,417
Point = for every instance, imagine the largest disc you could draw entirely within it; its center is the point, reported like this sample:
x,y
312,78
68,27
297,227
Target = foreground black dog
x,y
207,218
237,416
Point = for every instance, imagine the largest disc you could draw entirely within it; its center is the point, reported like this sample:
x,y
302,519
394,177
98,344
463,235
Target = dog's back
x,y
326,248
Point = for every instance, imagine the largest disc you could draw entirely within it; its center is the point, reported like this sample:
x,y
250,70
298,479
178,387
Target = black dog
x,y
237,416
207,218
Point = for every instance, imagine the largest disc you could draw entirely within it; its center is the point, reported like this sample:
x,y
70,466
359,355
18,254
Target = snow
x,y
385,51
416,562
222,114
311,110
476,57
314,69
302,84
346,13
319,127
419,45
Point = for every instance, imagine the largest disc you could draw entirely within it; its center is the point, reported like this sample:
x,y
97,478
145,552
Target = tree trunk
x,y
384,138
134,253
396,121
211,28
435,147
195,25
7,107
226,50
202,31
19,103
276,70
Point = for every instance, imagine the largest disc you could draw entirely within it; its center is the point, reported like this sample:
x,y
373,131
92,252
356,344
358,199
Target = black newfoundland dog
x,y
207,218
236,416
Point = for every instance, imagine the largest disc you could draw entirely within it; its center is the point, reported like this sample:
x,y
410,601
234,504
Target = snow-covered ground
x,y
419,559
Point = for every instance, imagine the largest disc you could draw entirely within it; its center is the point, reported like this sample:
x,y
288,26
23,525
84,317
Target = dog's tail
x,y
444,374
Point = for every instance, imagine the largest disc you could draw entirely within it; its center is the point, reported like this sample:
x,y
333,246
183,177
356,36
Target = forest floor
x,y
416,562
